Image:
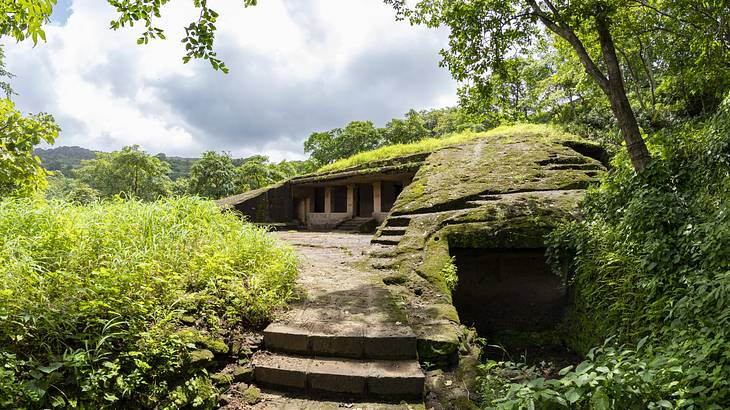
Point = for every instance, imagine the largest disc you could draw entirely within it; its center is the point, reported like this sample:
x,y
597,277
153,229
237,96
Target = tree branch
x,y
567,33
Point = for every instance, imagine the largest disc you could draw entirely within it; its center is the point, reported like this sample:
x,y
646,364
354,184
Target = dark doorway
x,y
319,199
364,200
390,193
507,290
339,199
516,303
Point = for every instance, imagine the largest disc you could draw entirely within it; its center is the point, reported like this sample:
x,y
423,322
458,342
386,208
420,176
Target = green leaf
x,y
572,395
51,367
583,367
600,400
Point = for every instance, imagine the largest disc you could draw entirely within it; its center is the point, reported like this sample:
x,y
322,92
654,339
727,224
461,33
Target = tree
x,y
329,146
69,189
404,131
487,35
130,171
213,176
256,172
20,171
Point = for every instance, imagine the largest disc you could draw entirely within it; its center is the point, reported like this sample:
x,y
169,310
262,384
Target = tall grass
x,y
432,144
101,305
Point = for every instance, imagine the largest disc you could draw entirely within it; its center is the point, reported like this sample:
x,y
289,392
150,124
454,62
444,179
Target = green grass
x,y
104,305
432,144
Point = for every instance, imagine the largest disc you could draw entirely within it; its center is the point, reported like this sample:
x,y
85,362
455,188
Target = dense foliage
x,y
130,172
100,310
327,147
213,176
64,159
69,189
257,171
20,171
652,270
673,56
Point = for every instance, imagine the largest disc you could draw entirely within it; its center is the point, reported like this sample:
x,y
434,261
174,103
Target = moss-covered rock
x,y
252,395
501,164
507,190
201,357
438,343
243,373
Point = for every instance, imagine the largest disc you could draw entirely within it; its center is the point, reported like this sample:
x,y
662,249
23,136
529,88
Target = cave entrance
x,y
510,296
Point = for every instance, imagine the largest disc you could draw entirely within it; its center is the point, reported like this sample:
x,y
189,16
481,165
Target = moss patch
x,y
438,344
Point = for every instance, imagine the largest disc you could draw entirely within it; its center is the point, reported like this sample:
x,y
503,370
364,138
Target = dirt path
x,y
338,289
340,295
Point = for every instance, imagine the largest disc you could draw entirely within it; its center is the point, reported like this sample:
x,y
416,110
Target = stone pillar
x,y
377,201
328,200
351,200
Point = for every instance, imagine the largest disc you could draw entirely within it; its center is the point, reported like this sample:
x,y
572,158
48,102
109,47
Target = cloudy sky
x,y
297,66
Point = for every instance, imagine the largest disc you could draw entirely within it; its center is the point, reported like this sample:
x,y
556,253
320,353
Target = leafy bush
x,y
20,171
106,305
652,270
69,189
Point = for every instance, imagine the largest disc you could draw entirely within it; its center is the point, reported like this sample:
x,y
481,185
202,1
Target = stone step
x,y
387,240
352,224
393,231
342,339
401,378
381,251
398,221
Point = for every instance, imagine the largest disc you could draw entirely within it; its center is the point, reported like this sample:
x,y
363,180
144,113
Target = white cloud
x,y
296,67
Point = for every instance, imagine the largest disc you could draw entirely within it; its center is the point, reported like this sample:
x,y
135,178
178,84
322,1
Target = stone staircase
x,y
392,231
346,337
353,225
362,360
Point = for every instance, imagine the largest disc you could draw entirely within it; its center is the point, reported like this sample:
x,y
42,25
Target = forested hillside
x,y
64,159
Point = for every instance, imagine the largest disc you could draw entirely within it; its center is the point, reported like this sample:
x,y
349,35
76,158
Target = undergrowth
x,y
651,264
432,144
106,305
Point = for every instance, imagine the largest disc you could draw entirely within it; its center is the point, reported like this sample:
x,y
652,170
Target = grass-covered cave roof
x,y
537,132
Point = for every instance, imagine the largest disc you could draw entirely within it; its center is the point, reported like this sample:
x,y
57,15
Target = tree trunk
x,y
612,85
620,105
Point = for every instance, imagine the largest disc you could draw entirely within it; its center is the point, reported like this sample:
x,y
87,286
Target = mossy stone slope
x,y
496,165
501,191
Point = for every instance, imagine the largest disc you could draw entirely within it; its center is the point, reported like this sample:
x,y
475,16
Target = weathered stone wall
x,y
273,204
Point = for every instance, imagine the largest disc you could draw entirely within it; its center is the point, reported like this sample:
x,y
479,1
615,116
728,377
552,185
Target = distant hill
x,y
66,159
63,159
180,166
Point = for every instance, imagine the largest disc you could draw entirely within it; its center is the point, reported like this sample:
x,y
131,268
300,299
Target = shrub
x,y
105,305
652,270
